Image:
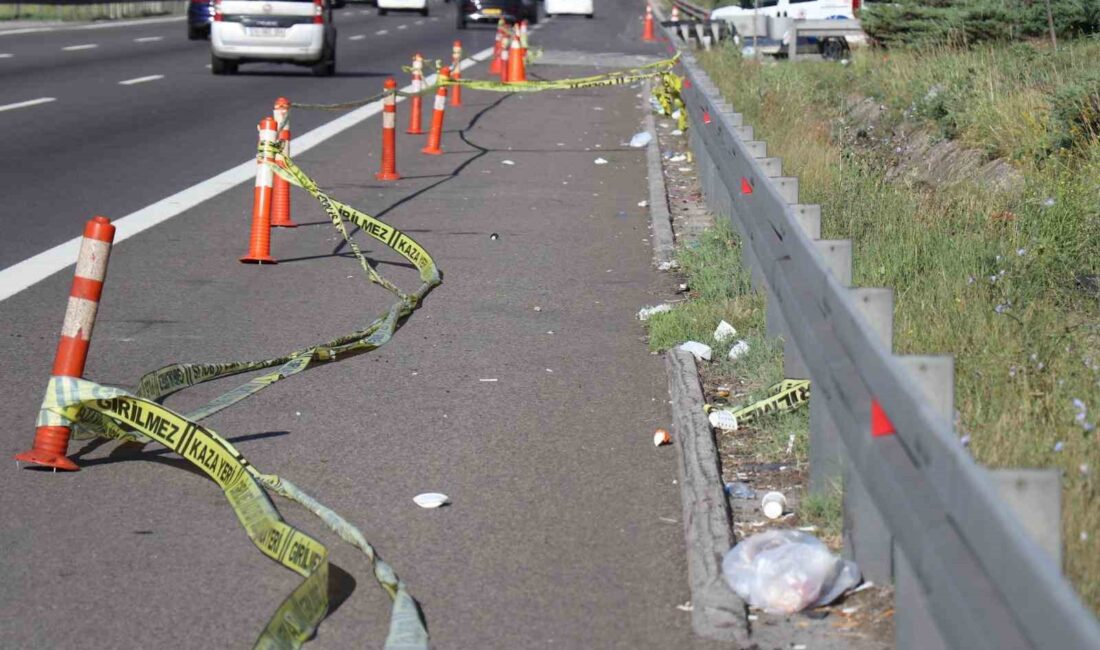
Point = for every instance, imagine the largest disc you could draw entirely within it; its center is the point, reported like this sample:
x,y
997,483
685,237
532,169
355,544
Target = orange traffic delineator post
x,y
280,189
517,70
51,443
416,107
498,46
456,73
436,134
505,54
388,171
647,31
259,239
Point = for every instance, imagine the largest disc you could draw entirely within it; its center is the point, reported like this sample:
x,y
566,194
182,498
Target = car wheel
x,y
424,11
834,49
195,33
533,17
590,16
220,66
383,12
326,67
460,22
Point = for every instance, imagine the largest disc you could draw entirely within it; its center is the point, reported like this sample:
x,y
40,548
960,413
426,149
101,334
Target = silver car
x,y
281,31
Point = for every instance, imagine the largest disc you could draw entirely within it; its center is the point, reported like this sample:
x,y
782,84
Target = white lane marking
x,y
434,18
74,48
6,55
357,37
419,22
364,12
29,102
140,80
100,25
382,32
33,270
148,39
402,26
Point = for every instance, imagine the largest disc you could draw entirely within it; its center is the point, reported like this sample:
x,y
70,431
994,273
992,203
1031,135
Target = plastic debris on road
x,y
507,162
739,349
740,490
645,313
643,204
678,158
640,139
773,504
786,571
700,351
722,419
431,500
724,331
600,161
661,438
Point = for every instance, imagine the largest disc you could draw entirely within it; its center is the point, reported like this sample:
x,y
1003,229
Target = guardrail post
x,y
914,627
867,539
1035,495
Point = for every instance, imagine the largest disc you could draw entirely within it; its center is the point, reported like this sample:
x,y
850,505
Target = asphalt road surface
x,y
521,388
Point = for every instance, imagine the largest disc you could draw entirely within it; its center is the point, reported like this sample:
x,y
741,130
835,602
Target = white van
x,y
802,9
578,7
281,31
750,24
384,6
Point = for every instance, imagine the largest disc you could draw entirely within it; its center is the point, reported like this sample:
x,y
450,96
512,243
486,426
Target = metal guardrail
x,y
918,509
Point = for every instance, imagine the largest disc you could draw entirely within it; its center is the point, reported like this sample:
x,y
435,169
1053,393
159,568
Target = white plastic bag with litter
x,y
701,351
786,571
640,139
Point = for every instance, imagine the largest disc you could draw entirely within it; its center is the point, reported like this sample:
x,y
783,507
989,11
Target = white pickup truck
x,y
754,24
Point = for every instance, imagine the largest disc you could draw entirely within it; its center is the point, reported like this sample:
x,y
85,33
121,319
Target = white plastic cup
x,y
773,504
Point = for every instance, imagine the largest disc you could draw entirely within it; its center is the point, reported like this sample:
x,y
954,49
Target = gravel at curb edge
x,y
717,612
663,242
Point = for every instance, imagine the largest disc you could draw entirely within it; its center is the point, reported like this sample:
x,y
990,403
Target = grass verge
x,y
999,279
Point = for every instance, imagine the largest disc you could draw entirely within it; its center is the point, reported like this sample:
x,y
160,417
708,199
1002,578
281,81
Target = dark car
x,y
199,14
490,11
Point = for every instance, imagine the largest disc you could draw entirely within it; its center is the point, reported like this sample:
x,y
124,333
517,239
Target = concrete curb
x,y
664,243
708,532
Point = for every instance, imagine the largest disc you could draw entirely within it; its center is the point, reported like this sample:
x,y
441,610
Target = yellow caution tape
x,y
783,397
94,410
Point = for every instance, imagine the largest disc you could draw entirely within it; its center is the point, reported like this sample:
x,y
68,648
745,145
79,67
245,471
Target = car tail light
x,y
318,12
855,7
218,11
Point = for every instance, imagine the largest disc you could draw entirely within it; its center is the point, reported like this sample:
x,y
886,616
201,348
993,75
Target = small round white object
x,y
773,504
431,500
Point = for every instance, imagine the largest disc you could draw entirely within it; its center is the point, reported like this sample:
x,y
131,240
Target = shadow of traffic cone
x,y
456,73
647,31
416,108
436,134
51,442
517,70
388,171
259,239
280,190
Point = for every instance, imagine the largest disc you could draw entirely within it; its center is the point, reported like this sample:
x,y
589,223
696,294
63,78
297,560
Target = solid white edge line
x,y
141,80
33,270
6,55
74,48
29,102
100,25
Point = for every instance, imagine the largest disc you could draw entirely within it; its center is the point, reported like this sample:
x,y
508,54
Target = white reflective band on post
x,y
92,261
264,176
267,135
79,318
440,102
389,120
416,83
